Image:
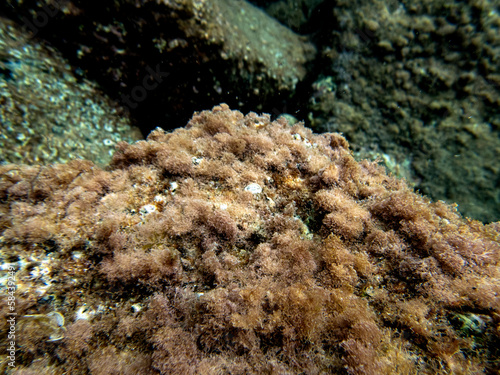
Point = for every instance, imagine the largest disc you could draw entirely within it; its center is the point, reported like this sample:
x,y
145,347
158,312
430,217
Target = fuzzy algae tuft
x,y
331,266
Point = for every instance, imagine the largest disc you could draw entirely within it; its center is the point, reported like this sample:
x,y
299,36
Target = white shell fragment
x,y
160,198
136,307
173,186
147,209
84,313
197,161
254,188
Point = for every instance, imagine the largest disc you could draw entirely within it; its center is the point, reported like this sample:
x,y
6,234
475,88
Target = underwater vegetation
x,y
237,245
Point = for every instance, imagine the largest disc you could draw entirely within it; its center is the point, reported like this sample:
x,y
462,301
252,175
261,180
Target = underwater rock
x,y
47,113
202,51
295,14
417,81
332,267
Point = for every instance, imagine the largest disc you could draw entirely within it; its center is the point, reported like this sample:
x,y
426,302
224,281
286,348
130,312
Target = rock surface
x,y
48,114
165,263
206,50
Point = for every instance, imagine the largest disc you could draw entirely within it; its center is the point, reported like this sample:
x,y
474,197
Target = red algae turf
x,y
237,245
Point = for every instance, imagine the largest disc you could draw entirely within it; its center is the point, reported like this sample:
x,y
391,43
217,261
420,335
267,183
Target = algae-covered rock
x,y
418,81
241,245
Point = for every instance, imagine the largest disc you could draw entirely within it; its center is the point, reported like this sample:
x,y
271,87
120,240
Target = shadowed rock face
x,y
48,114
241,245
205,51
418,82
